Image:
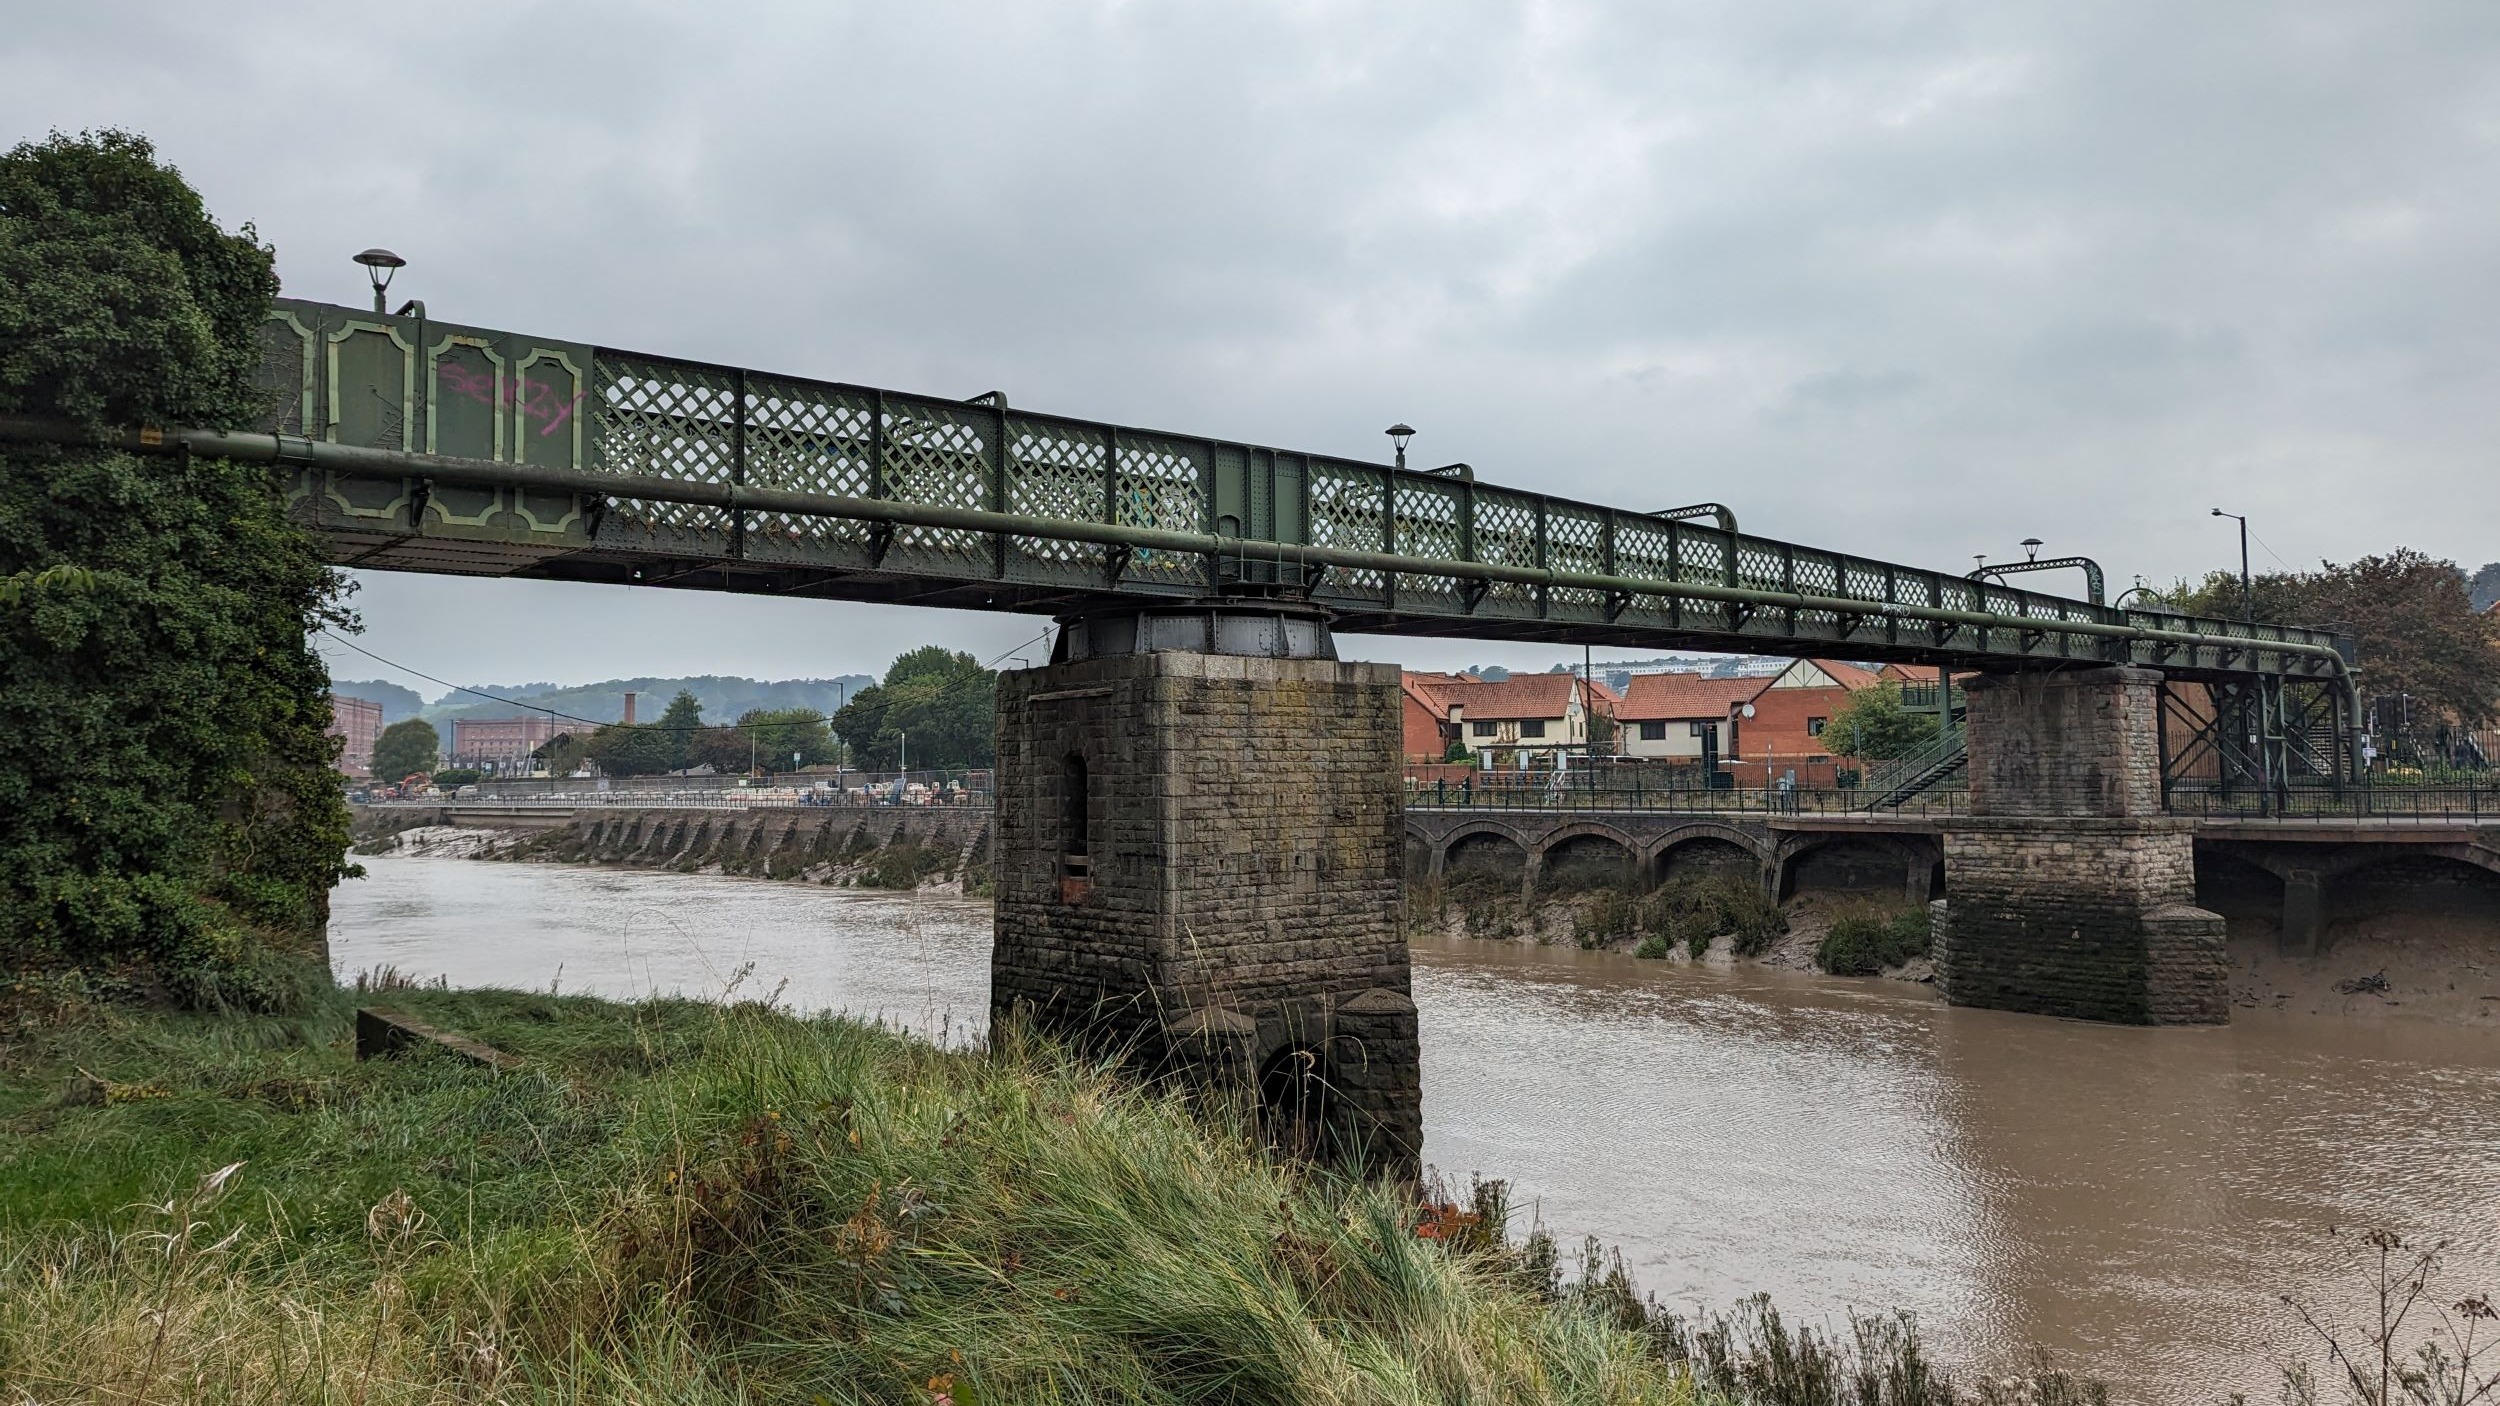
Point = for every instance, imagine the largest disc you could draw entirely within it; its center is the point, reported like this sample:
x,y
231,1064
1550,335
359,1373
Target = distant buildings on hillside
x,y
501,746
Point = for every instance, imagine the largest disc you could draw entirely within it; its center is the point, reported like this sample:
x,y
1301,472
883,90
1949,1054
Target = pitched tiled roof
x,y
1519,696
1848,676
1657,697
1436,691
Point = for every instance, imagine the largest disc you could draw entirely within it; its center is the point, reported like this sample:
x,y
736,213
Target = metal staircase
x,y
1891,784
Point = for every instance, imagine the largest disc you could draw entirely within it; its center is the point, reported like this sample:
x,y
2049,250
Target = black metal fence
x,y
1551,791
2359,800
2367,799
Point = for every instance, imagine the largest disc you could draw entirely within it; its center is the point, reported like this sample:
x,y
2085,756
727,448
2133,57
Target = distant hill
x,y
724,697
397,703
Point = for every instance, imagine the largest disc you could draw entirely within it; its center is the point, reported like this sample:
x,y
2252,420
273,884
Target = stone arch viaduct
x,y
1904,855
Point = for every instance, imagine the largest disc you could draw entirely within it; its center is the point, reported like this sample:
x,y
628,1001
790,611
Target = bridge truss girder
x,y
420,445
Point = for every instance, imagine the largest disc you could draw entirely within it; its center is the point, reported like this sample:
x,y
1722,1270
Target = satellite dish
x,y
1745,711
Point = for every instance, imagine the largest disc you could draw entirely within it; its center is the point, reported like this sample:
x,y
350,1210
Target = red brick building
x,y
501,745
357,723
1429,728
1790,710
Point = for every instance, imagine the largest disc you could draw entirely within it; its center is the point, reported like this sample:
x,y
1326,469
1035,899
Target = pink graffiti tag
x,y
542,401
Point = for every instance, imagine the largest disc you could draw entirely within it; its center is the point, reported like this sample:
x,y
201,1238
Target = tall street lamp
x,y
1399,434
380,264
2248,593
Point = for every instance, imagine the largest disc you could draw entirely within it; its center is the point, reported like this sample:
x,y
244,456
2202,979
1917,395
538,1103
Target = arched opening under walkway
x,y
2247,895
1485,854
1852,867
2415,888
1583,863
1707,856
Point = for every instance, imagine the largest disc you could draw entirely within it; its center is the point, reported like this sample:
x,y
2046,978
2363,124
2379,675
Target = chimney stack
x,y
629,707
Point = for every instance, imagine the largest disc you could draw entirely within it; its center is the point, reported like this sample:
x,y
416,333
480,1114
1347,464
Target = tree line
x,y
931,711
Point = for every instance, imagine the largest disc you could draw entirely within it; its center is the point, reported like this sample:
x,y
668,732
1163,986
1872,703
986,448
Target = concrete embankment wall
x,y
882,846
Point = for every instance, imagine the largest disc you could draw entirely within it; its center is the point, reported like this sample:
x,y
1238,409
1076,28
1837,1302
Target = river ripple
x,y
2130,1200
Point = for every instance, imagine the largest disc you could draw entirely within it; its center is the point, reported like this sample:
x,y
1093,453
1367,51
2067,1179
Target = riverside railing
x,y
914,788
1748,800
2472,802
2477,803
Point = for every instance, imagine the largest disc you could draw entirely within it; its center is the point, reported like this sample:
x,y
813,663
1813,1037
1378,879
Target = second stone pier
x,y
2069,891
1200,825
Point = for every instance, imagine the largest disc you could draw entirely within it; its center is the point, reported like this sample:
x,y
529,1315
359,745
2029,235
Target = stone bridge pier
x,y
2070,891
1199,830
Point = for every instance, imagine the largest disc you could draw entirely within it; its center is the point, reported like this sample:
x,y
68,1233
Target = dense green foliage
x,y
2411,616
941,700
454,778
651,749
1868,943
1874,726
168,816
405,749
789,736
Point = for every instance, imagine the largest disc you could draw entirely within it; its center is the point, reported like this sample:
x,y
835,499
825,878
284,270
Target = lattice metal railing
x,y
971,492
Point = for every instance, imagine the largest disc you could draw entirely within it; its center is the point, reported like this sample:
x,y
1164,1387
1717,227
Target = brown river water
x,y
2132,1202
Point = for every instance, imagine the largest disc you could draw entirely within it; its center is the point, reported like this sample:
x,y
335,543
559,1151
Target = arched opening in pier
x,y
1297,1103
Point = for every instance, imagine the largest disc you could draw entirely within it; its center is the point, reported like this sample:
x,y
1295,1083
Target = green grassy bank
x,y
680,1202
689,1203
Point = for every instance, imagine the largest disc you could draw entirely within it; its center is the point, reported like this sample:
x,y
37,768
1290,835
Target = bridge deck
x,y
423,445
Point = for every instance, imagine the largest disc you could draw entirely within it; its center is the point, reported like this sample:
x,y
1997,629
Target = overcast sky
x,y
1917,280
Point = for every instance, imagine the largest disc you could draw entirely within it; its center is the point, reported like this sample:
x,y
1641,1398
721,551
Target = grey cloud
x,y
1917,277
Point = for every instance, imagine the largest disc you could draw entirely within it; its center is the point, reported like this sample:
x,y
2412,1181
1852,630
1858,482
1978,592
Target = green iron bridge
x,y
420,445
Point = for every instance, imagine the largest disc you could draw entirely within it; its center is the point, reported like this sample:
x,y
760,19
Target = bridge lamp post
x,y
2257,721
2248,593
380,264
1399,434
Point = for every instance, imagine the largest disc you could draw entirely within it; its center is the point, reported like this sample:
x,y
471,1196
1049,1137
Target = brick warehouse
x,y
357,723
501,744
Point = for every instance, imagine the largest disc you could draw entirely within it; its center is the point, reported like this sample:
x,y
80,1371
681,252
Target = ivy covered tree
x,y
169,819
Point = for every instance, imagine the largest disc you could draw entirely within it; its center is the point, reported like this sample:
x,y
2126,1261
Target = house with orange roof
x,y
1679,716
1526,720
